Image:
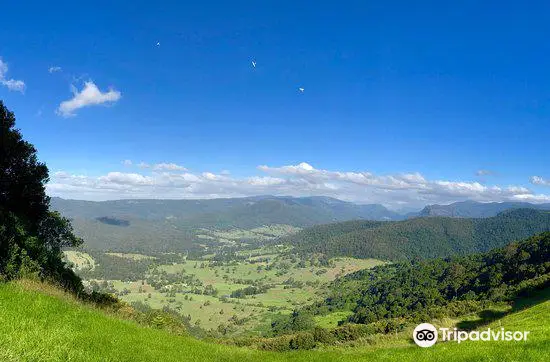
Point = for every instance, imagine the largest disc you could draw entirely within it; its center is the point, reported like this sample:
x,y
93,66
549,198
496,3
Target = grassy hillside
x,y
426,237
35,326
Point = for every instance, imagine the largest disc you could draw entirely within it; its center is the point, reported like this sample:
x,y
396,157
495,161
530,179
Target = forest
x,y
388,298
423,237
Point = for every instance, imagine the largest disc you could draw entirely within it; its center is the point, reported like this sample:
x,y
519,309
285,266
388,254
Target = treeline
x,y
429,237
387,298
250,290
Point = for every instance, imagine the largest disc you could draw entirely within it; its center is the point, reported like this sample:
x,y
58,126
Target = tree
x,y
31,236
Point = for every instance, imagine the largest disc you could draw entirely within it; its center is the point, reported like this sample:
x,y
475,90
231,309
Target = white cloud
x,y
11,84
396,190
168,167
54,69
126,179
533,198
143,165
127,162
89,96
301,168
265,181
537,180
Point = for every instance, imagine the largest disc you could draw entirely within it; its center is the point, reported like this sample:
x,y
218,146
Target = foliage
x,y
387,298
250,290
31,236
412,290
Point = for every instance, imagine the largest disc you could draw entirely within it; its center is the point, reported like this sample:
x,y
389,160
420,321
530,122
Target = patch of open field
x,y
132,256
331,320
266,232
79,259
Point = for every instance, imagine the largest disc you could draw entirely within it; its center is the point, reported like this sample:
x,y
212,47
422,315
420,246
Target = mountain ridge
x,y
300,211
421,237
475,209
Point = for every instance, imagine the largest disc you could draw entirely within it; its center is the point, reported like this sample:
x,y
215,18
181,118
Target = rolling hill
x,y
423,237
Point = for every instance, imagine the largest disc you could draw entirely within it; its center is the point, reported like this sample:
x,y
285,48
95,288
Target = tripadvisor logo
x,y
425,335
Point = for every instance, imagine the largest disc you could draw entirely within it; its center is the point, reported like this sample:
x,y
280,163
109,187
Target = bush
x,y
321,335
351,332
302,340
278,344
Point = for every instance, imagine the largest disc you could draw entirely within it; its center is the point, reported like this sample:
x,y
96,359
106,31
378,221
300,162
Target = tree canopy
x,y
419,238
31,236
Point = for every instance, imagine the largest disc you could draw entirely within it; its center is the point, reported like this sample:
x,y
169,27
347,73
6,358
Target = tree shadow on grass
x,y
487,316
530,298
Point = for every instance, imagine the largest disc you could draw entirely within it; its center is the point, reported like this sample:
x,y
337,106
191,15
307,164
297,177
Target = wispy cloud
x,y
163,166
54,69
11,84
395,190
168,167
90,95
537,180
483,172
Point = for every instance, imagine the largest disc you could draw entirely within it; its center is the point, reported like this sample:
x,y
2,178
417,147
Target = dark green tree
x,y
31,236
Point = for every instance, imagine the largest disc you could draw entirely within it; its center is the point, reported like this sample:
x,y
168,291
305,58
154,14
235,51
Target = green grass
x,y
35,326
331,320
132,256
80,259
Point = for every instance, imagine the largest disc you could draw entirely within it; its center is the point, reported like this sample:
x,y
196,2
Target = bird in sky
x,y
301,89
254,63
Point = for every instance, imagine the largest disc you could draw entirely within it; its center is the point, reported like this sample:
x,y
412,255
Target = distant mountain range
x,y
260,210
174,225
475,209
244,212
171,225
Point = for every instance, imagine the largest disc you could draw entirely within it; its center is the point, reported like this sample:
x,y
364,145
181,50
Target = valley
x,y
239,282
233,289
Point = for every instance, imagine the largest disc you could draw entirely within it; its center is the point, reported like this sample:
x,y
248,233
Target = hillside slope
x,y
426,237
39,327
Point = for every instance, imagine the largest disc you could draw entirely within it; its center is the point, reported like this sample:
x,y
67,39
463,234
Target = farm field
x,y
224,294
79,260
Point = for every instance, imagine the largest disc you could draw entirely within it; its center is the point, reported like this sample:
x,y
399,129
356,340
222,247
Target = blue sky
x,y
403,103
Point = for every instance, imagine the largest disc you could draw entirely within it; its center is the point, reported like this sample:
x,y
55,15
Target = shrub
x,y
351,332
321,335
302,340
278,344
